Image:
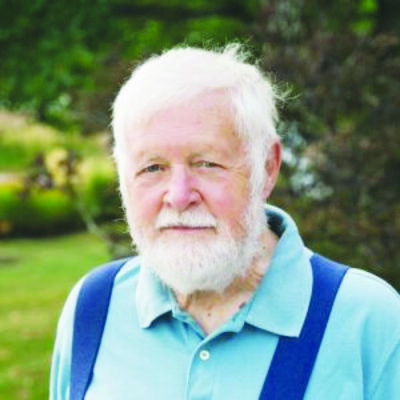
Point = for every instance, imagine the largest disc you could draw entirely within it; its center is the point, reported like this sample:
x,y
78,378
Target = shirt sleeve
x,y
61,359
380,337
388,384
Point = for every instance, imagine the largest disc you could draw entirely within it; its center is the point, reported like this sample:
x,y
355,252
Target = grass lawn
x,y
35,278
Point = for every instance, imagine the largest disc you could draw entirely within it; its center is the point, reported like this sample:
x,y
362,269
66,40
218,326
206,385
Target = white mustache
x,y
192,219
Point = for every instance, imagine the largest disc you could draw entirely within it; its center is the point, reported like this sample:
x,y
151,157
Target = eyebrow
x,y
153,154
144,158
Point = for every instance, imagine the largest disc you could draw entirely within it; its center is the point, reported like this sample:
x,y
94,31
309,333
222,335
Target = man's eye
x,y
206,164
152,168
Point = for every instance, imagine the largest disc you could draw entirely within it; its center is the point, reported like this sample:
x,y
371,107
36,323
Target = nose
x,y
181,192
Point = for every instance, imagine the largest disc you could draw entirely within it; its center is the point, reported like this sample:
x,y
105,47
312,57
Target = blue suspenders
x,y
291,364
294,358
90,318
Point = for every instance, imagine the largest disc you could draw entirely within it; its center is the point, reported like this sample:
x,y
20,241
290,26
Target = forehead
x,y
203,123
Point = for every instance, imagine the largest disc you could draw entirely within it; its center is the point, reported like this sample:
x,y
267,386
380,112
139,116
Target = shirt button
x,y
204,355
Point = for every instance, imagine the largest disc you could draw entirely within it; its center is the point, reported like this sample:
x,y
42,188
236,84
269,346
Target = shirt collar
x,y
279,304
281,301
153,298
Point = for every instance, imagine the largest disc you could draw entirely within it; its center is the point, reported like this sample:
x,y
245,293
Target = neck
x,y
212,309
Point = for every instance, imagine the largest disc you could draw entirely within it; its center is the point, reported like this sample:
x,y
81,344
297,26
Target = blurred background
x,y
61,64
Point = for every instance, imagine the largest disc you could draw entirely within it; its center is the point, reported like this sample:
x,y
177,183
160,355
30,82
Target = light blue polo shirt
x,y
153,350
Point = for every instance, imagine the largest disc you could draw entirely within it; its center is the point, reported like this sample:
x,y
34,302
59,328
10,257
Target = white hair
x,y
180,74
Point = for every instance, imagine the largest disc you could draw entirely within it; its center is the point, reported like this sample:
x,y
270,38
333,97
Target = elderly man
x,y
224,300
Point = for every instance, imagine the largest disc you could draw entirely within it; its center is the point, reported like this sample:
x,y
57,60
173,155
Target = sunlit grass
x,y
35,278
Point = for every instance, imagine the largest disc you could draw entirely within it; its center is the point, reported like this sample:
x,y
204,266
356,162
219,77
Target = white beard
x,y
190,263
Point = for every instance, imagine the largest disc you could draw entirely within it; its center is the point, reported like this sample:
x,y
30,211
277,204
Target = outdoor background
x,y
61,64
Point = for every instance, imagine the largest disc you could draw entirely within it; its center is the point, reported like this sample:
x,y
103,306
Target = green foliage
x,y
53,211
22,139
35,278
49,52
58,60
43,213
342,178
44,192
101,194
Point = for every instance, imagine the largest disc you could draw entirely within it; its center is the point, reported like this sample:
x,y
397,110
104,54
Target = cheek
x,y
227,201
144,204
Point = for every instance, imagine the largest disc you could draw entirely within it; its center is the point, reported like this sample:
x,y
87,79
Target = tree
x,y
342,181
64,61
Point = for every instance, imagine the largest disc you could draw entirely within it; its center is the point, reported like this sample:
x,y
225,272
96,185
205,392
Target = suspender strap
x,y
292,362
90,317
294,358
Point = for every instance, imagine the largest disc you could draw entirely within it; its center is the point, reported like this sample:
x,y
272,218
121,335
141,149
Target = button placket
x,y
204,355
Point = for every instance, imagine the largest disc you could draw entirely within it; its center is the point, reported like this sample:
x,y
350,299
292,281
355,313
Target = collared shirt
x,y
151,349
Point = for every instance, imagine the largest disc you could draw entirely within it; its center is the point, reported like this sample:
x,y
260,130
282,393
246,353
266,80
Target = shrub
x,y
46,211
52,181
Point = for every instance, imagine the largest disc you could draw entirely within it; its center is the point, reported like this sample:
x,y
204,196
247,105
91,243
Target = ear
x,y
272,167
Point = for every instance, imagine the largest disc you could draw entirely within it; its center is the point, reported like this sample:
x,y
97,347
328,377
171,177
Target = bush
x,y
52,181
41,213
53,211
100,191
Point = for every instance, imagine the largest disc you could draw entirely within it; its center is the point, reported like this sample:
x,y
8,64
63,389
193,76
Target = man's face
x,y
188,194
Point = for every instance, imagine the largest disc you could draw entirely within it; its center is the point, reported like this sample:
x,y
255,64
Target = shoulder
x,y
367,309
363,334
361,289
127,273
360,351
61,359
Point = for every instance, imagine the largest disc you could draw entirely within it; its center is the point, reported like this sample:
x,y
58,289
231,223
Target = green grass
x,y
35,278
